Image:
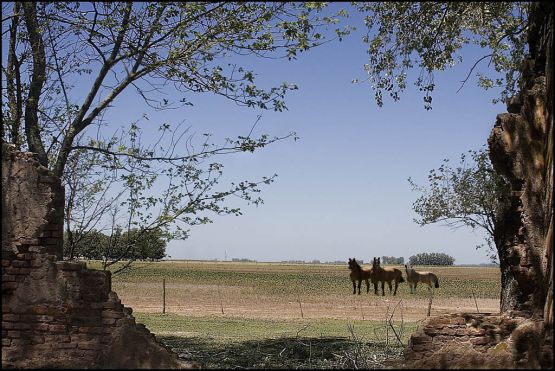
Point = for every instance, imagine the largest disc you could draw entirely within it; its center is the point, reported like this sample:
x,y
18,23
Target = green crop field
x,y
229,314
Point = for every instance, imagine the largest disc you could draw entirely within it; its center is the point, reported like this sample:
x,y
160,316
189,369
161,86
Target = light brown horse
x,y
413,277
358,274
383,275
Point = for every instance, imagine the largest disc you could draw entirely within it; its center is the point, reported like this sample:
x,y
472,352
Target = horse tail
x,y
437,283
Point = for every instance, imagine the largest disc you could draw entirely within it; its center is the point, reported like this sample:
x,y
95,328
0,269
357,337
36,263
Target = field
x,y
228,314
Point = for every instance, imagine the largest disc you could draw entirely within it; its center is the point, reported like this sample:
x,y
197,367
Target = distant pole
x,y
163,296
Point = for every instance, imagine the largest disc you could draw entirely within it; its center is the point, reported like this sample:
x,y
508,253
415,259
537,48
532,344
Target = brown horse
x,y
358,274
413,277
384,275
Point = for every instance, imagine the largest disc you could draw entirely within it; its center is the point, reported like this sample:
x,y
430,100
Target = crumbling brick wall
x,y
57,313
486,341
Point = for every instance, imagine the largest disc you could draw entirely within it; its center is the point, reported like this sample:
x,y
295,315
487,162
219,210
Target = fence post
x,y
163,296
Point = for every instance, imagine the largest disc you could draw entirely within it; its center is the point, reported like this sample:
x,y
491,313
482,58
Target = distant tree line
x,y
126,245
243,260
392,260
433,258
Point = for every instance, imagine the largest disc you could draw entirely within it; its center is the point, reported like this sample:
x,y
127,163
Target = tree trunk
x,y
521,149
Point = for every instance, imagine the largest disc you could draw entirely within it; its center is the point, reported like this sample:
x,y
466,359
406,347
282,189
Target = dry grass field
x,y
293,291
276,315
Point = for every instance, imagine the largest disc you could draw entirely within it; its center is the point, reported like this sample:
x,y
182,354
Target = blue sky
x,y
342,189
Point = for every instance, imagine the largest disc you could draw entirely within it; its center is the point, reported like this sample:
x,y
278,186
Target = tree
x,y
69,62
430,36
393,260
470,195
431,259
518,39
119,245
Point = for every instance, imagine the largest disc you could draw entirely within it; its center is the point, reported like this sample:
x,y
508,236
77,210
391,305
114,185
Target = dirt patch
x,y
202,300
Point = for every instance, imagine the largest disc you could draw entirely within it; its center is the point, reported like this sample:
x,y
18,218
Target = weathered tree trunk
x,y
521,148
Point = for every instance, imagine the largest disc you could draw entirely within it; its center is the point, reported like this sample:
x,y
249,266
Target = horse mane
x,y
356,264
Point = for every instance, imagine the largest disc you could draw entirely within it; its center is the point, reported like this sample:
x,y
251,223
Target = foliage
x,y
431,259
430,36
69,62
393,260
470,195
121,245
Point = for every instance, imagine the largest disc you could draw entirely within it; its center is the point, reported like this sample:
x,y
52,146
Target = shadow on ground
x,y
286,352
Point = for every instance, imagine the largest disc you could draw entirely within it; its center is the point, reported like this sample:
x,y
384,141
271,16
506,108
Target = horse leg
x,y
359,282
415,283
354,287
383,284
367,286
390,289
396,285
376,288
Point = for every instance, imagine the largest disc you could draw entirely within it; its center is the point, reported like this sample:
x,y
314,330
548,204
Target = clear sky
x,y
342,188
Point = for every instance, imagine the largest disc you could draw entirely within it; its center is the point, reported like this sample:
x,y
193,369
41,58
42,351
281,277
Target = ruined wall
x,y
56,313
521,148
483,341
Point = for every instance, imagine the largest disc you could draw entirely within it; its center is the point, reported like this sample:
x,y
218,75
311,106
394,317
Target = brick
x,y
108,321
41,326
24,270
20,342
112,314
91,330
82,337
63,338
11,270
8,278
65,345
419,339
475,331
57,328
88,345
20,263
9,286
23,326
10,317
37,339
6,342
37,263
5,263
40,310
7,325
480,341
14,334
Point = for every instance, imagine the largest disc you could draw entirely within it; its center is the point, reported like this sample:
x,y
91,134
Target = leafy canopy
x,y
429,36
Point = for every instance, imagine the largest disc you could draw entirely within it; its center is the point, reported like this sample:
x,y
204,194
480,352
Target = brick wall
x,y
59,313
463,340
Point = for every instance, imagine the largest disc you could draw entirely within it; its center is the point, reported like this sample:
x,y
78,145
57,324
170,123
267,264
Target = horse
x,y
383,275
358,274
413,277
